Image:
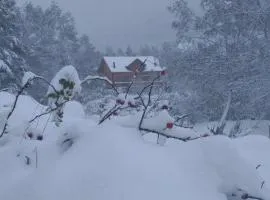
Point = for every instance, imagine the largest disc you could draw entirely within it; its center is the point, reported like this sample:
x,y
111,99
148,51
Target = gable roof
x,y
119,64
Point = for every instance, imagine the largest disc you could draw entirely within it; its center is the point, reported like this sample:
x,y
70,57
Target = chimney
x,y
113,64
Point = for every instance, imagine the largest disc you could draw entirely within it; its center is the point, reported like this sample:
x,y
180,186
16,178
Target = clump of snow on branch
x,y
159,122
28,77
69,73
90,78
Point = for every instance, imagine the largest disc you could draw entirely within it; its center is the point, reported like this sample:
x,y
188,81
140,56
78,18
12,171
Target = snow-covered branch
x,y
93,78
27,80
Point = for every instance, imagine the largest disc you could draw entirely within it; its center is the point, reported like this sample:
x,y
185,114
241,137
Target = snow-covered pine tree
x,y
12,61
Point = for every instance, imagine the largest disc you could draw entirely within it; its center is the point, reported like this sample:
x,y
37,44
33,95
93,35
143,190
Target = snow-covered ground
x,y
113,161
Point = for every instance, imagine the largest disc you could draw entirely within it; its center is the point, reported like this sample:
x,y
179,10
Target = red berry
x,y
169,125
120,101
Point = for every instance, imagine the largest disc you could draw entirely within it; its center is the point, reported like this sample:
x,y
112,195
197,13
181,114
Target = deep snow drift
x,y
113,161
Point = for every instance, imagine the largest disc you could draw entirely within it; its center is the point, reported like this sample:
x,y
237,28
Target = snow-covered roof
x,y
119,64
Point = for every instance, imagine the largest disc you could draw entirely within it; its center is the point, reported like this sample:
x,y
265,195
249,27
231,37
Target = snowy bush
x,y
66,84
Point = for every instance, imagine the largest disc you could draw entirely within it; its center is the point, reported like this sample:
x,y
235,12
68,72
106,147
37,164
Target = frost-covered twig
x,y
48,111
92,78
129,87
178,118
146,105
168,136
108,114
148,86
111,112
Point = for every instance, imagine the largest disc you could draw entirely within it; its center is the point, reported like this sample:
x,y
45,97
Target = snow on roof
x,y
119,64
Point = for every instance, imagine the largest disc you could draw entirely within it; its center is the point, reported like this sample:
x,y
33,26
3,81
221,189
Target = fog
x,y
119,23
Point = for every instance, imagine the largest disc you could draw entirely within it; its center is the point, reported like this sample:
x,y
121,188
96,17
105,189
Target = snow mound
x,y
70,74
73,109
81,160
113,162
26,109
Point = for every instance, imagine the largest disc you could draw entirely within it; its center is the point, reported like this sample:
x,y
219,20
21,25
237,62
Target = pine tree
x,y
12,52
129,51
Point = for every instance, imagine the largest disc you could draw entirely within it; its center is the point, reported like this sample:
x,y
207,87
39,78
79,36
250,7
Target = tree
x,y
225,49
129,51
87,58
54,42
12,51
109,51
120,52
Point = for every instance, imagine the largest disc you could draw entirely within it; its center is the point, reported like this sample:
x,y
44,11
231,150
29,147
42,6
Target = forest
x,y
68,133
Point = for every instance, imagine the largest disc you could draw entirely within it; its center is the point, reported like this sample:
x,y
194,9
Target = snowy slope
x,y
114,162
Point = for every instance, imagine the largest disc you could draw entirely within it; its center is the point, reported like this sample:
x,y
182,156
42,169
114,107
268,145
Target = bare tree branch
x,y
128,89
13,107
146,105
168,136
146,87
48,111
108,114
111,112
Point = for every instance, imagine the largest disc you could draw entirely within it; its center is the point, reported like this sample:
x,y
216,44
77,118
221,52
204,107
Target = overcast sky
x,y
118,23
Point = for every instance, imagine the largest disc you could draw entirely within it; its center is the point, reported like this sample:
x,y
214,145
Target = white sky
x,y
118,23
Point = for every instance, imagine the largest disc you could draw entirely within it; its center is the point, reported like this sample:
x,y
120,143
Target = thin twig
x,y
48,111
146,105
13,107
168,136
149,85
128,89
178,118
108,114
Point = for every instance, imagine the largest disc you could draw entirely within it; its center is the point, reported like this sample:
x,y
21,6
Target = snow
x,y
70,74
90,77
28,76
83,160
247,127
4,67
27,108
73,110
152,63
158,122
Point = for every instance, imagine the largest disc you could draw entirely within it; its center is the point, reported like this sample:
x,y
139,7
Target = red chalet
x,y
121,71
